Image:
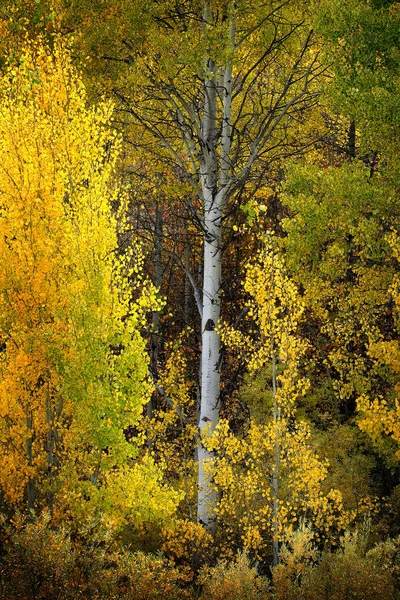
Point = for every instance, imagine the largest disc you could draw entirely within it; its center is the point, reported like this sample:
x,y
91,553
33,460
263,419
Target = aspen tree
x,y
217,85
279,474
74,370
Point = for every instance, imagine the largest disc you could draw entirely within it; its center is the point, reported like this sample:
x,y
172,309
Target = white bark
x,y
210,357
157,280
215,182
275,474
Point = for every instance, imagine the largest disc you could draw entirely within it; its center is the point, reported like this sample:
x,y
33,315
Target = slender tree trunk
x,y
157,280
215,173
275,474
210,358
30,486
188,287
352,139
51,458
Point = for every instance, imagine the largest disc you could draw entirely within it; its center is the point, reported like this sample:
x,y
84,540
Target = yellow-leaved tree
x,y
270,477
379,415
73,364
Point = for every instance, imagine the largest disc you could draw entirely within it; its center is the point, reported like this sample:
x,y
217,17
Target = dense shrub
x,y
233,581
349,573
39,562
50,564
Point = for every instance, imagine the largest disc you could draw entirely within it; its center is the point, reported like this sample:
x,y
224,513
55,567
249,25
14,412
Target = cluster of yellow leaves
x,y
172,430
73,364
280,447
379,416
131,496
188,544
248,507
275,308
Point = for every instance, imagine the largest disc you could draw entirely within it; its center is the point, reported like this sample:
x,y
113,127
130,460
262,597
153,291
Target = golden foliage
x,y
73,367
231,581
279,473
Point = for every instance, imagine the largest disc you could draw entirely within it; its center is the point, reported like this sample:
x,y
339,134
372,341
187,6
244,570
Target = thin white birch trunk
x,y
275,474
157,280
210,358
215,172
210,339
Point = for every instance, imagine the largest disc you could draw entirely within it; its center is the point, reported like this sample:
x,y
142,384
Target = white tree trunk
x,y
275,474
215,172
210,358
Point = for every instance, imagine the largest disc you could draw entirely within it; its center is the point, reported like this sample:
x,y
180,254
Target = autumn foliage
x,y
199,300
73,363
